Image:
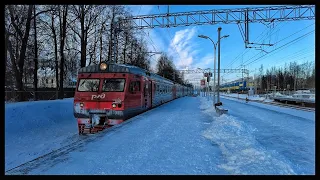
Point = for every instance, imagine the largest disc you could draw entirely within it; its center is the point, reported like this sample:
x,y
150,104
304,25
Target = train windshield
x,y
113,85
88,85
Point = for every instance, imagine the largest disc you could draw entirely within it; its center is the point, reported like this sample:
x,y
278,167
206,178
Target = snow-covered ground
x,y
188,139
285,110
33,129
165,140
260,139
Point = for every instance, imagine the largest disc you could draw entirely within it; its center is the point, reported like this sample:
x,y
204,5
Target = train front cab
x,y
104,99
99,100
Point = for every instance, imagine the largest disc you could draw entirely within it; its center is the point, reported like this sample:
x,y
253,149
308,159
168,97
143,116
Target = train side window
x,y
131,86
137,86
134,86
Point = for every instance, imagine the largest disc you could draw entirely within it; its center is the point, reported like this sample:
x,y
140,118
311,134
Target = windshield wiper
x,y
85,80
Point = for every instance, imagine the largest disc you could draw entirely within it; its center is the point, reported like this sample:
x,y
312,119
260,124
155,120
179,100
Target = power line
x,y
294,33
280,41
152,43
287,44
261,38
171,38
247,50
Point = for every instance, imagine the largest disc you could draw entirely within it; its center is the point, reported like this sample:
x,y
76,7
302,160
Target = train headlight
x,y
103,66
81,104
114,105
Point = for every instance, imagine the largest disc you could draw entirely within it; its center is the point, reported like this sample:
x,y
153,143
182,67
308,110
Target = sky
x,y
190,51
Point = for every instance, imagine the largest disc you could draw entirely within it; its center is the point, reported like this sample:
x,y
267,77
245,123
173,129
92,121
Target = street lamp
x,y
214,71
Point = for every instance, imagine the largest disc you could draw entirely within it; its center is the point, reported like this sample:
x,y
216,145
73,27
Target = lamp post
x,y
214,71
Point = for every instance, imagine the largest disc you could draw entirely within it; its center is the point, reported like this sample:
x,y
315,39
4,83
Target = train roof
x,y
123,68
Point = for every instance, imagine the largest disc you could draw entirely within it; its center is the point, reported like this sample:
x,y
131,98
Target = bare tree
x,y
35,71
63,29
18,59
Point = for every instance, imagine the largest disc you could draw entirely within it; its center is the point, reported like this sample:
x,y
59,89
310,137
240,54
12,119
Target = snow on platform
x,y
257,140
170,139
164,140
36,128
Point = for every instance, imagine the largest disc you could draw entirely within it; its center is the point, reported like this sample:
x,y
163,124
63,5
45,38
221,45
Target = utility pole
x,y
208,87
219,31
214,74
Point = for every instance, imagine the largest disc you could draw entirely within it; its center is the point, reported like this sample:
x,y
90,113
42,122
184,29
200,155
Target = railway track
x,y
309,109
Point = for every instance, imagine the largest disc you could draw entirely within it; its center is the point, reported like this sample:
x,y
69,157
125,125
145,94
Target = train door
x,y
174,89
151,93
147,94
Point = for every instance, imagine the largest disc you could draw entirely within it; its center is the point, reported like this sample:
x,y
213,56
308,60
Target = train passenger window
x,y
134,86
88,85
113,85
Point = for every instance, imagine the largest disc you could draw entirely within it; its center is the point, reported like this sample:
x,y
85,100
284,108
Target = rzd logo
x,y
101,96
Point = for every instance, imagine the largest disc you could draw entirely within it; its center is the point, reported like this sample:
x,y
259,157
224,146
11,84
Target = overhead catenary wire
x,y
171,37
248,49
285,45
281,40
274,50
155,47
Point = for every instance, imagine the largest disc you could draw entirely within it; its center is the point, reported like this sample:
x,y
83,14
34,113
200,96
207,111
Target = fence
x,y
43,94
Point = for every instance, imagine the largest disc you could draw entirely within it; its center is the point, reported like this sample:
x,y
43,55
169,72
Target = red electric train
x,y
108,94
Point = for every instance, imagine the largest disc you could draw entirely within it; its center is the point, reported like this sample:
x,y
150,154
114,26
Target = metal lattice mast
x,y
225,16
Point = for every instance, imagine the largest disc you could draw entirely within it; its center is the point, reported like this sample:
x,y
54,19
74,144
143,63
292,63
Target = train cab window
x,y
134,86
88,85
113,85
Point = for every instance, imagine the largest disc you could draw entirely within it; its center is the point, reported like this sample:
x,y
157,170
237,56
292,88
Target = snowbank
x,y
260,142
244,155
36,128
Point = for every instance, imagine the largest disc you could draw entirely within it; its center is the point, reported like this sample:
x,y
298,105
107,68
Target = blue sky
x,y
190,51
